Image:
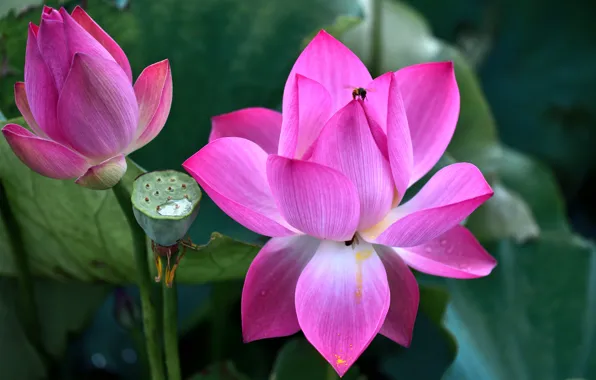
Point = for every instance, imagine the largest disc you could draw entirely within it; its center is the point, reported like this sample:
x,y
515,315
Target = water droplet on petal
x,y
428,249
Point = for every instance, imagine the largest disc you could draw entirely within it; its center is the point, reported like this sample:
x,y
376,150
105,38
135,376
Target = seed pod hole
x,y
146,199
184,186
159,180
156,193
169,198
169,188
147,186
172,179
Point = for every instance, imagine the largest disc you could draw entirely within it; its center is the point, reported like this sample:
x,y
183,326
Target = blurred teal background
x,y
527,76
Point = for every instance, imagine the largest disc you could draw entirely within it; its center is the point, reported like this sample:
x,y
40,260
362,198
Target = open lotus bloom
x,y
325,179
78,99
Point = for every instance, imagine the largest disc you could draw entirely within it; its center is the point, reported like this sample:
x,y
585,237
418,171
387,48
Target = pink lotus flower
x,y
79,101
325,180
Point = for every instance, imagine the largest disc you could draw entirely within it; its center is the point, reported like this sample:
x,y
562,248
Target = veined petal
x,y
20,98
153,90
399,143
342,298
96,31
41,89
51,40
431,99
268,308
97,108
105,175
332,64
386,113
231,170
80,41
313,198
304,115
45,157
377,97
452,194
259,125
347,145
405,296
455,254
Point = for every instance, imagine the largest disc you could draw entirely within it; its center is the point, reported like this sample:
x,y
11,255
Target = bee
x,y
359,92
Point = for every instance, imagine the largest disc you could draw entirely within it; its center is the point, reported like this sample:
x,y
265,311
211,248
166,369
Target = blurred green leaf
x,y
220,371
299,360
537,185
504,215
17,6
533,317
538,74
75,233
339,27
63,309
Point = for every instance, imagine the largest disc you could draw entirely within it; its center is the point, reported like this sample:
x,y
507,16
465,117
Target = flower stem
x,y
170,330
375,55
144,282
28,307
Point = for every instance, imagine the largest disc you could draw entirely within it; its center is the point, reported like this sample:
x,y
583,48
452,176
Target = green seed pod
x,y
165,204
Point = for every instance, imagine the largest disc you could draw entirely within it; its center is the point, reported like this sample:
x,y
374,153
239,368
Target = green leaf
x,y
17,6
339,27
504,215
549,83
533,317
75,233
220,371
537,185
63,309
299,360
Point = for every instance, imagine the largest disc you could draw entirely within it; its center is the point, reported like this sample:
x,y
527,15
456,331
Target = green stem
x,y
170,330
375,55
144,282
28,307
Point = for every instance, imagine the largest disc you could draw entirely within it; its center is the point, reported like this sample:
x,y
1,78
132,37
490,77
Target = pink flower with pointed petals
x,y
325,180
78,99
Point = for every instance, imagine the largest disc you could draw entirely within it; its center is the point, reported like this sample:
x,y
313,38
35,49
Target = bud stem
x,y
144,282
170,330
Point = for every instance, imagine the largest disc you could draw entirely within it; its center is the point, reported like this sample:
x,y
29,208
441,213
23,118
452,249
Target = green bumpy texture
x,y
165,204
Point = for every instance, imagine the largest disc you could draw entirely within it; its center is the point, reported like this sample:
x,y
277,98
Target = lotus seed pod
x,y
165,204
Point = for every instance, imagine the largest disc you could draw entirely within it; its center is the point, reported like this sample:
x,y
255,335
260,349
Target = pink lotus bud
x,y
78,99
